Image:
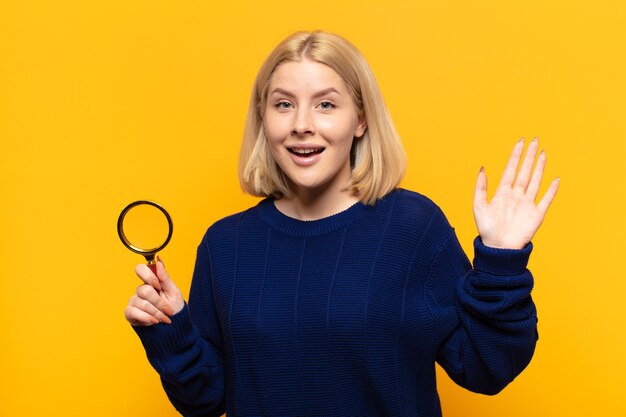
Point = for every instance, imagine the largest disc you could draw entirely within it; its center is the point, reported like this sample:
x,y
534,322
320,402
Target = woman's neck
x,y
309,205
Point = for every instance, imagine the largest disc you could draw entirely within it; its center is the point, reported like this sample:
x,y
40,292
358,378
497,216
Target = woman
x,y
338,292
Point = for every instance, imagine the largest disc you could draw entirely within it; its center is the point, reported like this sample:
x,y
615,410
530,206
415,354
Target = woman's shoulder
x,y
413,197
227,226
414,210
411,202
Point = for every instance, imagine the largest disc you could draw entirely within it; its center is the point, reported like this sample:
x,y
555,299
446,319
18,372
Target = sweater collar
x,y
291,226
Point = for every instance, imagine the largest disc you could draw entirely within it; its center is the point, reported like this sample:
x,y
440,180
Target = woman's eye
x,y
326,105
283,105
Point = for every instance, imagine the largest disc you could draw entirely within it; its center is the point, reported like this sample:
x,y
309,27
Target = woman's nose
x,y
303,122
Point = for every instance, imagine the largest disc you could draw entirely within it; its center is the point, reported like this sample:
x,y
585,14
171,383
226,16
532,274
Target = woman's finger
x,y
151,309
148,293
145,274
523,176
142,304
535,181
164,278
508,176
480,192
138,317
545,202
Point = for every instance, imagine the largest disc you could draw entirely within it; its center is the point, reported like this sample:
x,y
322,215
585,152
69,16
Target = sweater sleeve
x,y
485,316
188,353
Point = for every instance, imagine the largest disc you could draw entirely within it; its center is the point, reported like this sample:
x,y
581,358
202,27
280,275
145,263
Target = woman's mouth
x,y
304,152
305,156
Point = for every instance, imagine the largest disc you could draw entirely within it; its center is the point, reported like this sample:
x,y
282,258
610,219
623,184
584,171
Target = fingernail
x,y
166,320
521,140
167,310
482,170
156,285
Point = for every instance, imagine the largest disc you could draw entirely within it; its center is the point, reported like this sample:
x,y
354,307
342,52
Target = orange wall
x,y
103,103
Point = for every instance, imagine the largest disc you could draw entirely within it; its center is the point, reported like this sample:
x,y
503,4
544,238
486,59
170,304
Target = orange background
x,y
103,103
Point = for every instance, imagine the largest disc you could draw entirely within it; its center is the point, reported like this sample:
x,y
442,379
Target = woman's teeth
x,y
304,152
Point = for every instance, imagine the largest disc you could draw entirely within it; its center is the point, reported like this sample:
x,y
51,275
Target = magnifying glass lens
x,y
146,227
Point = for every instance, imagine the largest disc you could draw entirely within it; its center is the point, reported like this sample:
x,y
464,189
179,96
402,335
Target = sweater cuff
x,y
161,340
498,261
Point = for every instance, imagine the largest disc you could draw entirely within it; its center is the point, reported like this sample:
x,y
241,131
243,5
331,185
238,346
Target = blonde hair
x,y
377,158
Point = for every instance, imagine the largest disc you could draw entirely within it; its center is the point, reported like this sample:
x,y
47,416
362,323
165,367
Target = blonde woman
x,y
338,293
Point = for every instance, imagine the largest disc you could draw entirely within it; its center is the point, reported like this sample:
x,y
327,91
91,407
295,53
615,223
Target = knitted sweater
x,y
343,316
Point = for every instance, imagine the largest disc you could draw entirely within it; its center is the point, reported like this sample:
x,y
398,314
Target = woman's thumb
x,y
164,278
175,301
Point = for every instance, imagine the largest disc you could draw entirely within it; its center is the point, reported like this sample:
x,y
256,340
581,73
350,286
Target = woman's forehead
x,y
306,75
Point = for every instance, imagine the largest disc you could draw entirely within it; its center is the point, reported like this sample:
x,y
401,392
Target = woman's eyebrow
x,y
281,91
326,91
320,93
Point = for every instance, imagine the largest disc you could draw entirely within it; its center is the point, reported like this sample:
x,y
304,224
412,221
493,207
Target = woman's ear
x,y
361,127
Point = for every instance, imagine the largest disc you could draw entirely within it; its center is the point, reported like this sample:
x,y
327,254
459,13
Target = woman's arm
x,y
187,353
484,315
490,321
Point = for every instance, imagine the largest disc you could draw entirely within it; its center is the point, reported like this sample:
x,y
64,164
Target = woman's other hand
x,y
511,218
155,300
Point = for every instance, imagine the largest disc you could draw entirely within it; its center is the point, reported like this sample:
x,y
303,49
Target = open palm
x,y
511,218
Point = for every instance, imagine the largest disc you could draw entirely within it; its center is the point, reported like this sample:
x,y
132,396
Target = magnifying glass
x,y
145,227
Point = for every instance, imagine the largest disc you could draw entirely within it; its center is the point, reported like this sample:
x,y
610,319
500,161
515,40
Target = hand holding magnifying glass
x,y
145,228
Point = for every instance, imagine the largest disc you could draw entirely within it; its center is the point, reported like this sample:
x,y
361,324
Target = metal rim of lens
x,y
124,239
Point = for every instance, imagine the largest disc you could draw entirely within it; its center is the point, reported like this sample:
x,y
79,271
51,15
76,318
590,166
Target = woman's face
x,y
310,122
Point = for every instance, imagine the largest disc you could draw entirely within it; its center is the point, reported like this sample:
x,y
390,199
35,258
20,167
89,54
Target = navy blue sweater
x,y
343,316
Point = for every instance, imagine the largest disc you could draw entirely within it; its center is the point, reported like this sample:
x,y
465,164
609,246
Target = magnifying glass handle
x,y
152,265
151,262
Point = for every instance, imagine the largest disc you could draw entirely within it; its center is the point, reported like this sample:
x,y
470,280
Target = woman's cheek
x,y
330,129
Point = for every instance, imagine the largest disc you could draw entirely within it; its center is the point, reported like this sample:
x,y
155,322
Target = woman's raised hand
x,y
511,218
156,299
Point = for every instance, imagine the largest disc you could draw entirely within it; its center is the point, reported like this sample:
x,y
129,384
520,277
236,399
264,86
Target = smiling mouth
x,y
306,152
